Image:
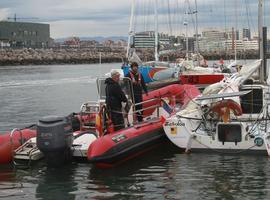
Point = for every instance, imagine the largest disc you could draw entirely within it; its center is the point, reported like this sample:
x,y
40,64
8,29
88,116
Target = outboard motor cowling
x,y
54,139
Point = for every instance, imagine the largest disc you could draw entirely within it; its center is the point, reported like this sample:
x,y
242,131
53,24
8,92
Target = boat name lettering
x,y
119,138
179,123
46,135
67,128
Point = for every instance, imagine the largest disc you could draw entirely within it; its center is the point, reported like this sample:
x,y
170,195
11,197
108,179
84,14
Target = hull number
x,y
119,138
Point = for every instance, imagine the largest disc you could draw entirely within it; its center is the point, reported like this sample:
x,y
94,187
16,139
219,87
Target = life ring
x,y
223,108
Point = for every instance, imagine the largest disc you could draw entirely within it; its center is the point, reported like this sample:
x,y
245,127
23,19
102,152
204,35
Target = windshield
x,y
125,84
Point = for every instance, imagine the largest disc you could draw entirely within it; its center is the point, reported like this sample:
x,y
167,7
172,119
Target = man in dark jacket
x,y
138,86
114,98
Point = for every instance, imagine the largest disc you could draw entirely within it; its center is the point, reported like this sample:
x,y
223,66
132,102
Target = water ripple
x,y
47,82
161,174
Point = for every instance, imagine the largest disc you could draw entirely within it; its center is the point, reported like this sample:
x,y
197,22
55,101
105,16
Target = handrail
x,y
11,139
89,102
147,101
148,108
88,108
12,132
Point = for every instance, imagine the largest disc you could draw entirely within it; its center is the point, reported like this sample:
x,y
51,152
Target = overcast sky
x,y
111,17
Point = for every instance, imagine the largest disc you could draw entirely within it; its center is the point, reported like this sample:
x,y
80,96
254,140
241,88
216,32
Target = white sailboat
x,y
230,116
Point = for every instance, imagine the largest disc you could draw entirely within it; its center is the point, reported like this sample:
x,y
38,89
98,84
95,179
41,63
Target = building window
x,y
13,34
25,33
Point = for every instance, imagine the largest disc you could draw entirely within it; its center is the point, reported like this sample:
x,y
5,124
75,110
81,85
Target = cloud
x,y
88,28
54,10
111,17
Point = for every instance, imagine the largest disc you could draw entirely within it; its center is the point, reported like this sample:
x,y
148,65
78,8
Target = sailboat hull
x,y
231,139
148,72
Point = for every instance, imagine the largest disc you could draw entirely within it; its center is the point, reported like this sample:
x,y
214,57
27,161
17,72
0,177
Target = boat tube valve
x,y
55,138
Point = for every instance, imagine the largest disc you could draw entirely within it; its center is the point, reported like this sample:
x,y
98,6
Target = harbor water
x,y
28,93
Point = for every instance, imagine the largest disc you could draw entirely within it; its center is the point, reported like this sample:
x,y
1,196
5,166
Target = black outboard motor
x,y
54,139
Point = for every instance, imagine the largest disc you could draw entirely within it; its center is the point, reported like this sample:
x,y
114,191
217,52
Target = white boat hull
x,y
183,133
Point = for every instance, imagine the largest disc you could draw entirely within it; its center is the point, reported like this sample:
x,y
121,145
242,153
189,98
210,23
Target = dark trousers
x,y
138,99
117,119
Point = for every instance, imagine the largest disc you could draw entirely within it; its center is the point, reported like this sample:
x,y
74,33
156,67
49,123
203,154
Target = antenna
x,y
15,18
156,30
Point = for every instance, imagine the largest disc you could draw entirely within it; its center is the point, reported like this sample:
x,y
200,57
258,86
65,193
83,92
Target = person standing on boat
x,y
114,98
138,87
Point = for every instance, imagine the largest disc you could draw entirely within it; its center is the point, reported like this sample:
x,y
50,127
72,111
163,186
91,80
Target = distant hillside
x,y
98,38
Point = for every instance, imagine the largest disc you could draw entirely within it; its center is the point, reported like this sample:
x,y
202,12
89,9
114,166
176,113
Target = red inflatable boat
x,y
117,147
9,142
179,93
114,147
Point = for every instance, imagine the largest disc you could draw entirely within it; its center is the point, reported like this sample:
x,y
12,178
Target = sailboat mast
x,y
235,32
260,38
186,25
156,31
131,23
196,28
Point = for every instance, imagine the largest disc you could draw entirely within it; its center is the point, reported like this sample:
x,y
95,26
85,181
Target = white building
x,y
215,40
147,39
238,44
4,44
213,35
242,45
251,44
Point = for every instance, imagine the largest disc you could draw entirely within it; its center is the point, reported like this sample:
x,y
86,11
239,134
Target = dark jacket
x,y
138,86
114,95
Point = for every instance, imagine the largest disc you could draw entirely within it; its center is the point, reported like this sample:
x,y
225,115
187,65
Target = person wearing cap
x,y
114,98
138,88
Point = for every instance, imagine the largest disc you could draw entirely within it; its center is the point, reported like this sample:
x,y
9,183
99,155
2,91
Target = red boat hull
x,y
201,79
7,146
113,149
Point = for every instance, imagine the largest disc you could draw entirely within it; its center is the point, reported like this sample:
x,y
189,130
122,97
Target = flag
x,y
162,119
99,124
166,106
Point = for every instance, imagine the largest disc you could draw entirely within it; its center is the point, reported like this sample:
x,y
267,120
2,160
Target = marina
x,y
167,171
165,123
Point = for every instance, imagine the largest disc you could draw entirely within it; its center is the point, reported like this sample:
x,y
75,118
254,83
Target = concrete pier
x,y
88,55
57,56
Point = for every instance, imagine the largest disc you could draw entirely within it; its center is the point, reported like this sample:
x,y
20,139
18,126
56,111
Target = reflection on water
x,y
161,174
56,183
31,92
